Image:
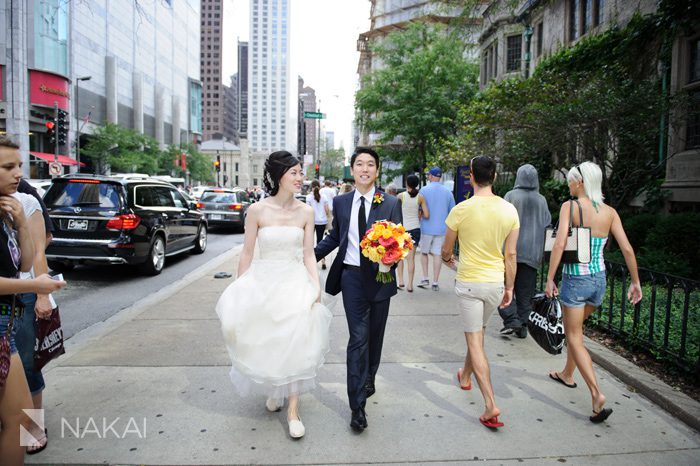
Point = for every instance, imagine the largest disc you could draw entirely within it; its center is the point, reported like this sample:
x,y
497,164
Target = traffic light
x,y
51,131
62,127
318,169
217,163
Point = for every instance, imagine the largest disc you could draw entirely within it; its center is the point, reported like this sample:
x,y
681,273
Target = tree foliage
x,y
594,101
122,150
413,98
333,163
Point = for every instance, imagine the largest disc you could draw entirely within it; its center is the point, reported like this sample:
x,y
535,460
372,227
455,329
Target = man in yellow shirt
x,y
487,227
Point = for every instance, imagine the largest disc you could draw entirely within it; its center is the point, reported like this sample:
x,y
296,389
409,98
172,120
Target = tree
x,y
594,101
198,164
413,99
115,148
333,163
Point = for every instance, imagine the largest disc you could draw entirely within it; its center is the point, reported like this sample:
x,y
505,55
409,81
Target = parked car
x,y
198,190
224,206
40,185
120,220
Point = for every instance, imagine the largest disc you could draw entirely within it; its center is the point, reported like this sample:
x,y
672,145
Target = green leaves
x,y
415,96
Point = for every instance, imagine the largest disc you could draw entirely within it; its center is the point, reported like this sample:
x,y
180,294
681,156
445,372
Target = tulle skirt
x,y
275,332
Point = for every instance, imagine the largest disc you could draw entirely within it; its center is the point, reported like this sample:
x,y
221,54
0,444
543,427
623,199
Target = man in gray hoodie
x,y
534,218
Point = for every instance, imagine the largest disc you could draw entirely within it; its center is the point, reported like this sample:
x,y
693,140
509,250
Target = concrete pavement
x,y
158,375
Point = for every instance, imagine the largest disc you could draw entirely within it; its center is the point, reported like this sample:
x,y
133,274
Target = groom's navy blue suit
x,y
366,301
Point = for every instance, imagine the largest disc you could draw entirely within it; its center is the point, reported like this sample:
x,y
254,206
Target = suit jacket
x,y
388,209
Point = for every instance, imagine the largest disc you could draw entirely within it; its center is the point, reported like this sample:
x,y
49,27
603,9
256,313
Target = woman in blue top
x,y
583,285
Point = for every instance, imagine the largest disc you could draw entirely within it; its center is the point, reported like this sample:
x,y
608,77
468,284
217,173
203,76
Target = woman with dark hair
x,y
413,207
322,211
583,285
16,254
274,325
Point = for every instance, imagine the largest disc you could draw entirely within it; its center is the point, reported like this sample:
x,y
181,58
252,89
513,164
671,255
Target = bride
x,y
274,326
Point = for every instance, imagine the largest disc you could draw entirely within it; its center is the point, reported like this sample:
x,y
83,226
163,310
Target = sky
x,y
323,51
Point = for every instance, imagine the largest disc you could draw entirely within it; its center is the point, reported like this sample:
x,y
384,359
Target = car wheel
x,y
60,267
200,243
156,257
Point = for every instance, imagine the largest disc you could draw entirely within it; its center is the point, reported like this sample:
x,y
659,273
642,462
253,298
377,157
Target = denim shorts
x,y
4,322
578,290
415,234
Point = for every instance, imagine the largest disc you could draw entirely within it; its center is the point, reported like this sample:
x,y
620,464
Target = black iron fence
x,y
666,322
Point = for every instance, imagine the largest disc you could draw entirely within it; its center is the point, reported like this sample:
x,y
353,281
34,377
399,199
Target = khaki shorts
x,y
431,244
477,301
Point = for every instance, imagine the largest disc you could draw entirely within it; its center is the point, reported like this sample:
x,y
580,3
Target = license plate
x,y
216,217
77,224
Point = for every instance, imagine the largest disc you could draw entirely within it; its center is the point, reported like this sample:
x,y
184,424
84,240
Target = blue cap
x,y
435,171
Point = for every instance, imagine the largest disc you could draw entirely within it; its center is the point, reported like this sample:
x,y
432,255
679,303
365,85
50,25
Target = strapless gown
x,y
275,332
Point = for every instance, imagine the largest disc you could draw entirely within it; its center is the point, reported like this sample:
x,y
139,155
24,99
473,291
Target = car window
x,y
163,197
143,196
179,199
228,198
84,193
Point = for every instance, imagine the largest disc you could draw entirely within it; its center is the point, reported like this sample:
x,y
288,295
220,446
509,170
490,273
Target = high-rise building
x,y
306,131
231,105
242,91
210,59
268,73
330,140
136,65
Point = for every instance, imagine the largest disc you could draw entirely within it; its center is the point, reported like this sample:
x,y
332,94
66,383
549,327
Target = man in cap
x,y
432,230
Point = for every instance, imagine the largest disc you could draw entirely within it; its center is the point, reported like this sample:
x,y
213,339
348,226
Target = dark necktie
x,y
362,219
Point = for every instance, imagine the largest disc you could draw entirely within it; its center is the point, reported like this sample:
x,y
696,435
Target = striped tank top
x,y
597,263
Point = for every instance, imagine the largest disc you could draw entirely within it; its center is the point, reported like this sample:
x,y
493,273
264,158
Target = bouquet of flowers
x,y
386,243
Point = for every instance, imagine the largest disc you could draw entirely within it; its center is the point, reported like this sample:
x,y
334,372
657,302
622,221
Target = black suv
x,y
120,220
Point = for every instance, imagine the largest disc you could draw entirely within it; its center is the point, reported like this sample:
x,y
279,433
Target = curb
x,y
673,401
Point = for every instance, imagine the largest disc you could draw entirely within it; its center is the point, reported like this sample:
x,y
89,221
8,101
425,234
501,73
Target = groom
x,y
366,301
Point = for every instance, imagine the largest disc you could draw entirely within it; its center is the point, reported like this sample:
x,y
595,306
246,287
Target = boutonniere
x,y
378,198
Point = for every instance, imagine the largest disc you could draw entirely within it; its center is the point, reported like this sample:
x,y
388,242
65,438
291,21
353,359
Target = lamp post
x,y
77,117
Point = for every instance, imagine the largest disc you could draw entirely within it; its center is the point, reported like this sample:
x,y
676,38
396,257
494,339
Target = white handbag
x,y
578,242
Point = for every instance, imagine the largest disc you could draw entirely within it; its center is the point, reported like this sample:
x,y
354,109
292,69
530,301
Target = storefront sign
x,y
47,88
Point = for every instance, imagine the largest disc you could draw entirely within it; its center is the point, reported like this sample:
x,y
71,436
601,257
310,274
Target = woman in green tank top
x,y
583,285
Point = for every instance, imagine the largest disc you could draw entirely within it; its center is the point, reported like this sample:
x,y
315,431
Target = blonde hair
x,y
592,177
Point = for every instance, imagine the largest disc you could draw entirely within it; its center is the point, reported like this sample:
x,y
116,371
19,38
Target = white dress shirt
x,y
352,254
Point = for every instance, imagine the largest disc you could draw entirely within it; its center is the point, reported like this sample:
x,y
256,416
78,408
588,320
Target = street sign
x,y
314,115
55,168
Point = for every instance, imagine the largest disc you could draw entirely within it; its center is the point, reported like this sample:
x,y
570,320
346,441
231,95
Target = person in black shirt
x,y
16,254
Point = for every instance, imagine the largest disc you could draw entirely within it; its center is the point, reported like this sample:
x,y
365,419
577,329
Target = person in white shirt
x,y
322,212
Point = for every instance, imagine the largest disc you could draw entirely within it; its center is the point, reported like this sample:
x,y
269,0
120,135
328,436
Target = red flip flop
x,y
492,423
459,381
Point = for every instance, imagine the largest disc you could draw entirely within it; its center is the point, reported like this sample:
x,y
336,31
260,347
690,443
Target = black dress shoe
x,y
359,420
521,332
369,388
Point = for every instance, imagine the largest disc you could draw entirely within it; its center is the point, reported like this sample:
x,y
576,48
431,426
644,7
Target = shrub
x,y
675,235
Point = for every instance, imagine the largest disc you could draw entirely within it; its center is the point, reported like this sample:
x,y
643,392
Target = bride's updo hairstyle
x,y
276,165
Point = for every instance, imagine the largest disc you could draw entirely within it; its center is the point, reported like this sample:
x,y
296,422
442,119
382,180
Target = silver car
x,y
224,206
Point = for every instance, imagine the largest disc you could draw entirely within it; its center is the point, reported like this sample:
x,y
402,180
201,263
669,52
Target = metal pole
x,y
77,122
318,141
55,131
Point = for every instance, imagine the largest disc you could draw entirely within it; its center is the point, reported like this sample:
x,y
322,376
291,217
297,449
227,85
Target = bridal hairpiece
x,y
269,180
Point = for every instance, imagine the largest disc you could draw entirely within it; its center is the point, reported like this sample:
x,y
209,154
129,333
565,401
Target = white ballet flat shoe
x,y
296,428
272,405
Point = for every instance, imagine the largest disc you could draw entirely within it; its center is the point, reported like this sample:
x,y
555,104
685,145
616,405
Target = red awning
x,y
62,159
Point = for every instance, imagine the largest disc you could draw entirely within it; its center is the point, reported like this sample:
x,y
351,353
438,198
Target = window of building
x,y
693,122
599,12
540,38
514,53
574,8
694,47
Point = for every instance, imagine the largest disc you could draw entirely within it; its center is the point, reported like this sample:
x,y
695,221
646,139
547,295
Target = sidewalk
x,y
158,373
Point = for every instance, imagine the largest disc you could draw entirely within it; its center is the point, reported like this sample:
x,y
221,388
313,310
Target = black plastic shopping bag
x,y
545,323
49,340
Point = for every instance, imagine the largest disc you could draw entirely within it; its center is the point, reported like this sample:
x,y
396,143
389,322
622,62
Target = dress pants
x,y
366,323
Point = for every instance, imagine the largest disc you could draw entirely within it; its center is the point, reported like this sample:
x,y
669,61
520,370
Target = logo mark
x,y
77,210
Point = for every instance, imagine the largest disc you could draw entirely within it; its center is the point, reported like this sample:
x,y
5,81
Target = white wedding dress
x,y
275,332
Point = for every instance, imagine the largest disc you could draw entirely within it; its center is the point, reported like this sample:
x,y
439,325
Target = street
x,y
95,293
